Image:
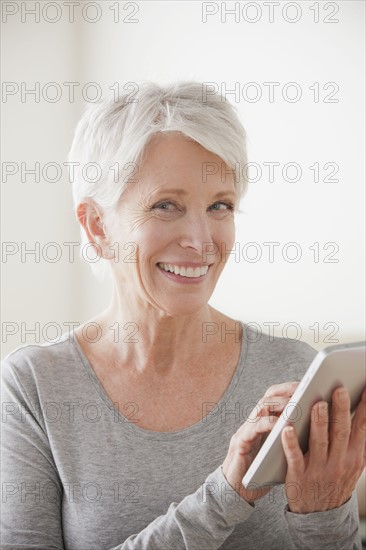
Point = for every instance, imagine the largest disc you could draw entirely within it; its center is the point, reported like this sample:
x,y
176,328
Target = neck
x,y
151,342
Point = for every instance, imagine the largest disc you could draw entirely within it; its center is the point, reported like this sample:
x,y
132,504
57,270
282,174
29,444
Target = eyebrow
x,y
180,191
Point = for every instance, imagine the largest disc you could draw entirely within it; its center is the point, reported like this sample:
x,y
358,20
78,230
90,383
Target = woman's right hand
x,y
247,440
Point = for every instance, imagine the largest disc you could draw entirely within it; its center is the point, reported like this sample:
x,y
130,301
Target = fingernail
x,y
290,432
342,394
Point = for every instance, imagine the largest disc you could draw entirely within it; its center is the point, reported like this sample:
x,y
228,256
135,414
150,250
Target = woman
x,y
136,429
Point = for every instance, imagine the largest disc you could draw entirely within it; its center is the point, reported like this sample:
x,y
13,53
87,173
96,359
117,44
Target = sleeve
x,y
31,491
203,519
335,529
31,519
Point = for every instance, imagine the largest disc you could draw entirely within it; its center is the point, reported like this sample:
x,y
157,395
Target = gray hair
x,y
112,135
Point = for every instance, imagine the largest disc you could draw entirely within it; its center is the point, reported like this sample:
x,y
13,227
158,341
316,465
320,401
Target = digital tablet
x,y
339,365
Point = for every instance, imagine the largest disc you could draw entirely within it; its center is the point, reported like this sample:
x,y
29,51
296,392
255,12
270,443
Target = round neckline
x,y
150,434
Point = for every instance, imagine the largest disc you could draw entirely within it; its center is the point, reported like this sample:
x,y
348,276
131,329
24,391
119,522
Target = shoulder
x,y
277,357
31,365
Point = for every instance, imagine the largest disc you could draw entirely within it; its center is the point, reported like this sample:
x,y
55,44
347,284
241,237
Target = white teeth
x,y
185,271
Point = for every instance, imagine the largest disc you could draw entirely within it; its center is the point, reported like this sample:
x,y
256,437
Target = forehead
x,y
172,157
168,148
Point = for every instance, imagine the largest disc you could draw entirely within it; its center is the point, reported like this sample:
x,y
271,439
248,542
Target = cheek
x,y
225,238
140,232
149,242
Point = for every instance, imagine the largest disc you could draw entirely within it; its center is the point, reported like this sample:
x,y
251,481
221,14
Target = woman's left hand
x,y
327,475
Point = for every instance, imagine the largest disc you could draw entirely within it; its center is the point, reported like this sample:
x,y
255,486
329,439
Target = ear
x,y
91,216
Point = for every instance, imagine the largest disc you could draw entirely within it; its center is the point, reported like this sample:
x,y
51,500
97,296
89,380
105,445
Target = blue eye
x,y
160,204
163,206
228,205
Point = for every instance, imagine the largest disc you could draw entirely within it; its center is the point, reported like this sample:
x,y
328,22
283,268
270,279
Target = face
x,y
173,219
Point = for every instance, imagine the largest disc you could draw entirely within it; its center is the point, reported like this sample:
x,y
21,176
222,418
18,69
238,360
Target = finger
x,y
272,401
268,406
358,431
285,389
340,424
247,434
272,405
293,453
319,438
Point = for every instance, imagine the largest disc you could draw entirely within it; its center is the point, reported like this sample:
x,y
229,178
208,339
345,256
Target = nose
x,y
195,231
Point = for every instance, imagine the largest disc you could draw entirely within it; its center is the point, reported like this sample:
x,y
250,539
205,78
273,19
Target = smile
x,y
188,272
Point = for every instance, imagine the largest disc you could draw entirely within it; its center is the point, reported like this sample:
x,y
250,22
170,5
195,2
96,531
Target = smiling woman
x,y
142,443
113,139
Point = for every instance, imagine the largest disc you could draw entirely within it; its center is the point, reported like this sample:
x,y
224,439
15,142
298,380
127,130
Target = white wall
x,y
36,131
170,41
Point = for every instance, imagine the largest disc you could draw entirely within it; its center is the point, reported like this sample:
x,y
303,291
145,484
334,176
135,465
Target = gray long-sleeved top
x,y
78,474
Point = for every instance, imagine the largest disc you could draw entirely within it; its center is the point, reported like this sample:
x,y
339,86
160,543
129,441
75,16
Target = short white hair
x,y
115,133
